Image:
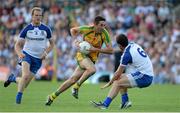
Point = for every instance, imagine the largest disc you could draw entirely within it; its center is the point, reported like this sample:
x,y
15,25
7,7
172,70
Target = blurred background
x,y
154,24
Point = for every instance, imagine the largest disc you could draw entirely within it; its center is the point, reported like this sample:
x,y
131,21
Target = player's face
x,y
121,48
36,17
100,26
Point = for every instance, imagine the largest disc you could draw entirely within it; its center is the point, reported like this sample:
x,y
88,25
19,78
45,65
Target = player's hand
x,y
76,43
106,85
21,55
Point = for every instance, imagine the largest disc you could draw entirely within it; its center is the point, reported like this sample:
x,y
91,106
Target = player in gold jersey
x,y
96,35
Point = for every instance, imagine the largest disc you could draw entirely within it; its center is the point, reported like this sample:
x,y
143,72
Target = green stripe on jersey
x,y
86,27
106,35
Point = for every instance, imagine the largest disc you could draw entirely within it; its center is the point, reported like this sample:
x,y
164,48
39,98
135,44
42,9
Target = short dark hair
x,y
122,40
98,19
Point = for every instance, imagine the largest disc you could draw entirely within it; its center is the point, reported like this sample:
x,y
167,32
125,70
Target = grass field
x,y
157,98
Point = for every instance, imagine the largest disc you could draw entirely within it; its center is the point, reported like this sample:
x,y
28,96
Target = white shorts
x,y
139,79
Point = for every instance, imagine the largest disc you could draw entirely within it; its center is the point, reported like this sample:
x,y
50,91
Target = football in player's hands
x,y
84,47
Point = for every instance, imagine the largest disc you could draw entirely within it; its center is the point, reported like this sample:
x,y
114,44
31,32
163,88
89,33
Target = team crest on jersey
x,y
42,33
36,32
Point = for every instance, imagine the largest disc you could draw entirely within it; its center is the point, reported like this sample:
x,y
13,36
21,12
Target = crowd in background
x,y
150,23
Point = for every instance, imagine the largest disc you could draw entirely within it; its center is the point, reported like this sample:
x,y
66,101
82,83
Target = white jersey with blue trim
x,y
36,39
136,59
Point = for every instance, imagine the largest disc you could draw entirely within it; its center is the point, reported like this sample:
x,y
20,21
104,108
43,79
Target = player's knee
x,y
26,78
91,70
116,83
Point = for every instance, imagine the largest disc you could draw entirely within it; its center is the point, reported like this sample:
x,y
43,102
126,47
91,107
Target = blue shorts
x,y
139,79
35,63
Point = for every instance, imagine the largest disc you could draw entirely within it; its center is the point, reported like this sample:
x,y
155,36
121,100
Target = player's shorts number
x,y
141,52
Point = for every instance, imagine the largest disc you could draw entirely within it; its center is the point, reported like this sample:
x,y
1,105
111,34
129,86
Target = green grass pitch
x,y
157,98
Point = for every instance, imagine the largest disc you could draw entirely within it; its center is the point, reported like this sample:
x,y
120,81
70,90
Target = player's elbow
x,y
73,32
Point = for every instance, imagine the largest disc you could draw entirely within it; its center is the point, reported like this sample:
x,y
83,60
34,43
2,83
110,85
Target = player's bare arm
x,y
18,47
107,50
75,31
51,45
118,73
49,48
116,76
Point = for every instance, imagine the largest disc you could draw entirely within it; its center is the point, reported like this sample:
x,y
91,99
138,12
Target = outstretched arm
x,y
107,50
116,76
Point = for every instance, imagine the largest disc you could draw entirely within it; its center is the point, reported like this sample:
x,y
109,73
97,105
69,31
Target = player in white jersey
x,y
31,48
140,73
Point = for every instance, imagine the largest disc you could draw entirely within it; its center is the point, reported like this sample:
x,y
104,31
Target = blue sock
x,y
107,101
12,78
124,98
18,97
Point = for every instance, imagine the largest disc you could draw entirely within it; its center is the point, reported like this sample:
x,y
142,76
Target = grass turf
x,y
157,98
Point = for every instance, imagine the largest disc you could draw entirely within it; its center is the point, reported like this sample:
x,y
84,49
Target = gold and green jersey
x,y
96,40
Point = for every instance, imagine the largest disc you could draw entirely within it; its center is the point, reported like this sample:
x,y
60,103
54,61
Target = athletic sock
x,y
107,101
19,97
124,98
76,85
53,96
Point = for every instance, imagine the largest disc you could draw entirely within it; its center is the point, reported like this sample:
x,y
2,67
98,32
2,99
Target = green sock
x,y
76,85
57,93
